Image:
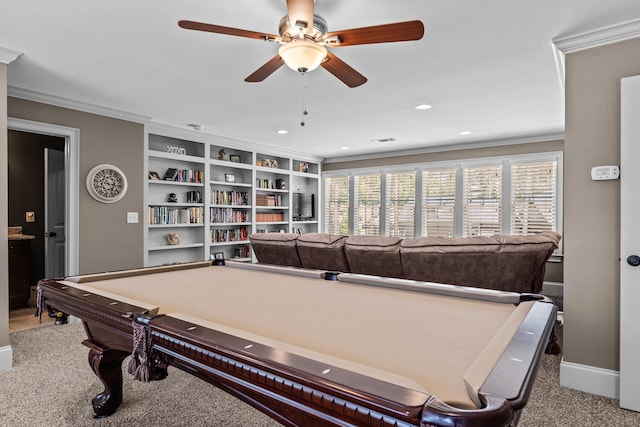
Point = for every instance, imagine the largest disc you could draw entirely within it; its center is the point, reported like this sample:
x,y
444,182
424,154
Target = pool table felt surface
x,y
440,345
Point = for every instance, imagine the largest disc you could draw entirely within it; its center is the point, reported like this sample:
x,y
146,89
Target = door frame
x,y
72,174
629,290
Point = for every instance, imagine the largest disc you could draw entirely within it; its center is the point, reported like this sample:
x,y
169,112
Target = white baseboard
x,y
592,380
6,358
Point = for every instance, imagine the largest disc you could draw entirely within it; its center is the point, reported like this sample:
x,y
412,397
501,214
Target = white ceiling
x,y
486,66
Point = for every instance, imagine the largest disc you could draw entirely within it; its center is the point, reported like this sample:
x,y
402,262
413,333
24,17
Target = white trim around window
x,y
502,193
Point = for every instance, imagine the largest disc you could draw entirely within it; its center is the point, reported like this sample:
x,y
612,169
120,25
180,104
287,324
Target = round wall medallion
x,y
106,183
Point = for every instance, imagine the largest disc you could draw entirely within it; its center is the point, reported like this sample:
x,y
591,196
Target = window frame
x,y
459,165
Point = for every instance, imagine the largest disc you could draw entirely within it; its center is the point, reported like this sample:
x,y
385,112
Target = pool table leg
x,y
107,365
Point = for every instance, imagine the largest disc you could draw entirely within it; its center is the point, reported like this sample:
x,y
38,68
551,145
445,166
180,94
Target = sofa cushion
x,y
276,248
513,263
375,255
323,251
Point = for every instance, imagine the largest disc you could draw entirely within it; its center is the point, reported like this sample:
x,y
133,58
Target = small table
x,y
359,350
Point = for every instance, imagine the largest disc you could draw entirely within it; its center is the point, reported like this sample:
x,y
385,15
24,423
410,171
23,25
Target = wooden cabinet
x,y
19,282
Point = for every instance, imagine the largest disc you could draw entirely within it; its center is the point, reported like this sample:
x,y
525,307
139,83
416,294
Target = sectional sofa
x,y
509,263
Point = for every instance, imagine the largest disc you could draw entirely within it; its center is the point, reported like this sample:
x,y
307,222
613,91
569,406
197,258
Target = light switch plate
x,y
132,217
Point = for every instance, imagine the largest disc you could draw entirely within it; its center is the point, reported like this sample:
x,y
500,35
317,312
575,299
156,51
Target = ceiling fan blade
x,y
301,14
343,71
397,32
219,29
266,70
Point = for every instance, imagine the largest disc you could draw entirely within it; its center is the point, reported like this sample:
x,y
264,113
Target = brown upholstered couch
x,y
510,263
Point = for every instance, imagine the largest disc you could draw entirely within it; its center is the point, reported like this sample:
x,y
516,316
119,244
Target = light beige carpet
x,y
52,384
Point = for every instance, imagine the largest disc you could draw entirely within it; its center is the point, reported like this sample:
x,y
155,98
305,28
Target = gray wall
x,y
106,241
592,209
554,271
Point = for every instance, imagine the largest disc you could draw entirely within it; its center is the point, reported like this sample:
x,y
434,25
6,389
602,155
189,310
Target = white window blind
x,y
366,202
533,197
439,202
400,199
336,205
482,193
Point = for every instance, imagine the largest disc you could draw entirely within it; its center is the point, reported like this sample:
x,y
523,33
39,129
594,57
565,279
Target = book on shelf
x,y
184,175
224,215
170,174
165,215
229,235
269,199
269,217
242,252
237,198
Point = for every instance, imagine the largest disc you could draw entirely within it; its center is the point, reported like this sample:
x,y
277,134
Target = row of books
x,y
269,217
269,200
242,252
222,215
168,215
271,183
229,235
184,175
219,197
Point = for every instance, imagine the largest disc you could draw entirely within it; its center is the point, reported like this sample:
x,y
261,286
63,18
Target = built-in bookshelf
x,y
204,195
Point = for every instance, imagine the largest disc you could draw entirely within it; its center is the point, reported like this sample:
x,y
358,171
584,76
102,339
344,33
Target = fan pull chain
x,y
304,94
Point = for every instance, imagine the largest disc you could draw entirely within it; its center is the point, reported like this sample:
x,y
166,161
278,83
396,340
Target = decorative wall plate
x,y
106,183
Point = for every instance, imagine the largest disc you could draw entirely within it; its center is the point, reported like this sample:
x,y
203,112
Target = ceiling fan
x,y
304,40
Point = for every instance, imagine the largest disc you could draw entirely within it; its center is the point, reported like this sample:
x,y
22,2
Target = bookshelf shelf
x,y
176,247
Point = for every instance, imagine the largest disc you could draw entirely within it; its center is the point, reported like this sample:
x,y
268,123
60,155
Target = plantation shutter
x,y
336,205
367,205
400,199
482,198
533,197
439,202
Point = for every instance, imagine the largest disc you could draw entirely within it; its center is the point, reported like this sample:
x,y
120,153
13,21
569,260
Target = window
x,y
336,205
400,197
533,197
439,202
482,200
366,203
476,197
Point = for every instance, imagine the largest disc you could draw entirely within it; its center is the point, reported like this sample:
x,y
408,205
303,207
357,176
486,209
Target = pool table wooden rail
x,y
298,392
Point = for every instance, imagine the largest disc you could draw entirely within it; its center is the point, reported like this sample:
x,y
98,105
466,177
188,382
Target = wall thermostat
x,y
601,173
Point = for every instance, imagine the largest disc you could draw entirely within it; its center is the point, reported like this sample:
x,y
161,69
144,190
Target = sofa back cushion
x,y
513,263
375,255
276,248
323,251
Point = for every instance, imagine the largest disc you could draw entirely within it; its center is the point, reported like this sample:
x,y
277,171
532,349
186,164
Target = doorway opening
x,y
27,191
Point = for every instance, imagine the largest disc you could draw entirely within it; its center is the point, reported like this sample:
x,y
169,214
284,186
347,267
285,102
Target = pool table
x,y
310,347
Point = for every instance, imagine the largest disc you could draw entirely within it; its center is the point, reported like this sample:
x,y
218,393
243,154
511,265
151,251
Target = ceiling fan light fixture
x,y
302,55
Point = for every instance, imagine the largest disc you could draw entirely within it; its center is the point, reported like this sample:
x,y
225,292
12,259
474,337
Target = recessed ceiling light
x,y
283,131
344,148
423,107
466,132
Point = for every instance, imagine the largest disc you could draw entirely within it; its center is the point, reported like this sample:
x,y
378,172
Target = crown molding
x,y
599,37
31,95
186,132
7,56
450,147
589,39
